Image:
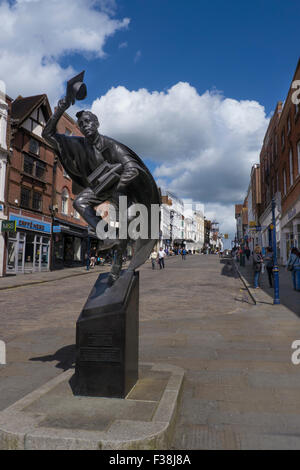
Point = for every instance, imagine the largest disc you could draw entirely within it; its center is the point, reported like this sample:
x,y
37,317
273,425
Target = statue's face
x,y
87,124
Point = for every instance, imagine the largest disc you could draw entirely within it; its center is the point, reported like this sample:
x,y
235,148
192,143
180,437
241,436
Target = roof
x,y
22,107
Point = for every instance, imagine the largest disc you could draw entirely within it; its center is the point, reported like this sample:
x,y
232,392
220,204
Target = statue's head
x,y
87,122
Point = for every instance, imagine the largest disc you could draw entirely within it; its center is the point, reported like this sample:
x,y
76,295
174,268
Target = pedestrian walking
x,y
270,265
153,258
93,258
293,261
257,264
247,253
161,256
183,253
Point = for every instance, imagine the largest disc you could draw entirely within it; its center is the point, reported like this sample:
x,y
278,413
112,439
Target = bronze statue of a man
x,y
84,157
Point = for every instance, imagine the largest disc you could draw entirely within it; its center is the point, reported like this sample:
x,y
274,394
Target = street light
x,y
275,267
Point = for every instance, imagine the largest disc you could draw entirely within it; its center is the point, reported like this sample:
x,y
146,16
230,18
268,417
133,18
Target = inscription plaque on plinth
x,y
107,339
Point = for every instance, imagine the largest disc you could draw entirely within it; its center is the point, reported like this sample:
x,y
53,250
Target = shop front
x,y
290,228
70,245
28,248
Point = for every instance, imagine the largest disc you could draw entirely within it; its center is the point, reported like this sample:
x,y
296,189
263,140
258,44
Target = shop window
x,y
25,197
37,201
77,249
34,146
64,201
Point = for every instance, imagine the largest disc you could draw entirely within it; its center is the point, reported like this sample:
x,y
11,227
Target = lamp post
x,y
275,267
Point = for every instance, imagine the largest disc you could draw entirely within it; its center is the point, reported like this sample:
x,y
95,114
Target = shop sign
x,y
31,224
8,226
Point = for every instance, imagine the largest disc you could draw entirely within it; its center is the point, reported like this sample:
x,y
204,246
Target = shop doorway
x,y
27,252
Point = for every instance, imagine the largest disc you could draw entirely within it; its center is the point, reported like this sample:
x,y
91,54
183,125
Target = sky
x,y
189,86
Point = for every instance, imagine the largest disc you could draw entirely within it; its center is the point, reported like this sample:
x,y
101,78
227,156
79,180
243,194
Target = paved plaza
x,y
241,390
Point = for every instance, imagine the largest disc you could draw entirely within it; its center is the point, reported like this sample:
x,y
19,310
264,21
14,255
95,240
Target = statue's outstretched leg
x,y
84,204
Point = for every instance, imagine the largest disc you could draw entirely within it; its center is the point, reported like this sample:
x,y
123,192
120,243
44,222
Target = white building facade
x,y
3,166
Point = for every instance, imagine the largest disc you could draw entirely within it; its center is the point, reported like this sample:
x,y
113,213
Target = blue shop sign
x,y
31,224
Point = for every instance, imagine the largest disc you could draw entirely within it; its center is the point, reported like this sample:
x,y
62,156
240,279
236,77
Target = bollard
x,y
297,275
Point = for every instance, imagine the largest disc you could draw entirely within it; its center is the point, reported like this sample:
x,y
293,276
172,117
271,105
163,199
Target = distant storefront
x,y
290,228
28,248
71,243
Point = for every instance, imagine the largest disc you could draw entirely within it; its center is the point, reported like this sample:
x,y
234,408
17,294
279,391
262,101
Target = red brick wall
x,y
62,181
291,140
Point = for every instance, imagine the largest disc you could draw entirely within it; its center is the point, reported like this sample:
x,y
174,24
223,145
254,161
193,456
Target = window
x,y
284,181
76,214
28,164
34,146
37,201
291,167
40,168
65,174
68,132
34,167
64,201
298,152
288,125
282,139
25,197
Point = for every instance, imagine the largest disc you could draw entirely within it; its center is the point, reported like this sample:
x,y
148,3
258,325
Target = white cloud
x,y
35,34
203,145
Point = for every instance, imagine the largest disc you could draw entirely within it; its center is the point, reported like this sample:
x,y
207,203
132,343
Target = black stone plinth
x,y
107,339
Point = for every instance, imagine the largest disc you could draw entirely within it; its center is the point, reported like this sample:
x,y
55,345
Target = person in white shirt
x,y
161,255
153,258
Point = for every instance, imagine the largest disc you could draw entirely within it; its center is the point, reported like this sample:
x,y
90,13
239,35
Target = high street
x,y
240,390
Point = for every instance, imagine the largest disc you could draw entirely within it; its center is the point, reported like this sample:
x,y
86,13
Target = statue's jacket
x,y
80,158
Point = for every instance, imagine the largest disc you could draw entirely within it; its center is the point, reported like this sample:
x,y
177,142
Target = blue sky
x,y
248,50
188,85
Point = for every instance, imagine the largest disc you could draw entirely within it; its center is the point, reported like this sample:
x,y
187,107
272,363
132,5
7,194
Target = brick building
x,y
289,172
278,176
29,187
49,233
269,167
253,232
70,231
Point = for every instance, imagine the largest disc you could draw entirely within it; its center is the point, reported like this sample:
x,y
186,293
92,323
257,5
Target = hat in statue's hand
x,y
76,89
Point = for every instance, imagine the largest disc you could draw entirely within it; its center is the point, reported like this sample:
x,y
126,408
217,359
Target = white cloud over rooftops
x,y
35,34
203,144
